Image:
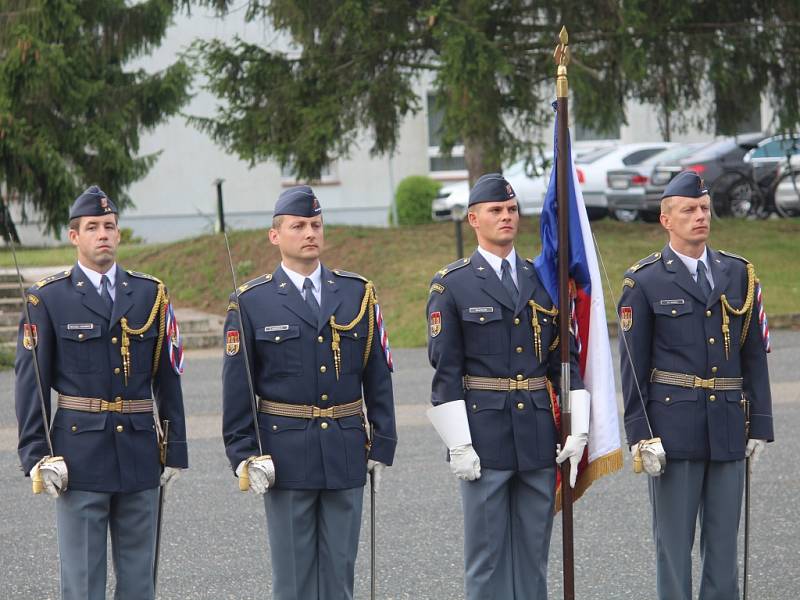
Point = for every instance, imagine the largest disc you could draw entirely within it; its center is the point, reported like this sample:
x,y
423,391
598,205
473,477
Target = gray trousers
x,y
84,520
508,519
313,539
712,490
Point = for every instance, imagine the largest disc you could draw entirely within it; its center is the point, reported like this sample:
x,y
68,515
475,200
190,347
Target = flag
x,y
174,340
604,453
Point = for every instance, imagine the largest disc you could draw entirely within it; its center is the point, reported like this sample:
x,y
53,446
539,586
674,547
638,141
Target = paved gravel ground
x,y
215,536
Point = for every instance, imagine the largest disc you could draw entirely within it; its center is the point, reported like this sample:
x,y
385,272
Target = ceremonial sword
x,y
372,567
161,496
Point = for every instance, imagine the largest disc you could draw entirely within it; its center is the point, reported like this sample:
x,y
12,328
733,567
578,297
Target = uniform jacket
x,y
78,348
291,361
481,333
672,329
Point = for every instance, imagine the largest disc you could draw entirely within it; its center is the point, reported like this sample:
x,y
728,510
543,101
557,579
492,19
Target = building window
x,y
442,167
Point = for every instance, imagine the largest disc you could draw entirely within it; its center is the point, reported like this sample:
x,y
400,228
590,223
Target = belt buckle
x,y
111,406
706,384
514,385
317,412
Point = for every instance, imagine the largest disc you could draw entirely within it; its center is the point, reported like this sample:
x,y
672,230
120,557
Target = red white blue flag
x,y
604,453
384,337
175,342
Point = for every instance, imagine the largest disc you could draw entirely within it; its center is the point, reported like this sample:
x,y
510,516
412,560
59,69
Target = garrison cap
x,y
491,187
299,201
92,203
687,184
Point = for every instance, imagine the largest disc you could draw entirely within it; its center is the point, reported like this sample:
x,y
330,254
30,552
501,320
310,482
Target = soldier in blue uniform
x,y
493,341
694,374
317,346
96,331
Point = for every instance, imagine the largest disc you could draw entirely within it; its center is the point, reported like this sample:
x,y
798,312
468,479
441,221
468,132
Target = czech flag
x,y
603,454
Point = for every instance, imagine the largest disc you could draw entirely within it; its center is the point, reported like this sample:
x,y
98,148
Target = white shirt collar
x,y
94,277
298,279
497,263
691,263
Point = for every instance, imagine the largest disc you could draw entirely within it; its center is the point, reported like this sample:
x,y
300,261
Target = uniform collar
x,y
497,263
297,279
691,263
94,277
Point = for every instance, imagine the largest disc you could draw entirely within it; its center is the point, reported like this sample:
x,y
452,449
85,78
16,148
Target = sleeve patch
x,y
436,287
232,342
626,317
435,323
33,299
628,282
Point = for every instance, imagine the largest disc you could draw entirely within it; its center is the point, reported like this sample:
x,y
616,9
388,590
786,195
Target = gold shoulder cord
x,y
746,308
367,305
158,306
537,328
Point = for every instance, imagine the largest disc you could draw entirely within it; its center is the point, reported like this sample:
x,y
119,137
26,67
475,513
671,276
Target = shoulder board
x,y
649,260
253,283
144,276
732,255
341,273
43,282
454,266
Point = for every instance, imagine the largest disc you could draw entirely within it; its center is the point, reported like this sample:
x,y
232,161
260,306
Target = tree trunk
x,y
478,159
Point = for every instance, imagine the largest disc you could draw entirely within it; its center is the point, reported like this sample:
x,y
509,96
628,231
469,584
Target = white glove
x,y
260,471
53,472
376,468
169,476
573,450
754,449
465,463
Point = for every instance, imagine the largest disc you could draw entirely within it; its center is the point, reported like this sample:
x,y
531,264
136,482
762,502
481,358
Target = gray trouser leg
x,y
133,538
719,529
508,517
313,538
82,521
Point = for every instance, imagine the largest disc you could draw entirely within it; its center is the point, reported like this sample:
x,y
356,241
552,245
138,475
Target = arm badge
x,y
436,323
232,342
626,317
30,336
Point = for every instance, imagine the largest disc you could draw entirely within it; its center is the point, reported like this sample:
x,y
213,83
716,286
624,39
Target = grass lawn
x,y
401,262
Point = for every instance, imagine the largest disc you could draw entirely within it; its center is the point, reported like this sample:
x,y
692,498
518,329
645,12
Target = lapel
x,y
490,282
719,271
525,282
330,298
123,299
680,274
91,299
292,298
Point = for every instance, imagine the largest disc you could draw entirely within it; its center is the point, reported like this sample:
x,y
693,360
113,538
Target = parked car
x,y
630,192
592,168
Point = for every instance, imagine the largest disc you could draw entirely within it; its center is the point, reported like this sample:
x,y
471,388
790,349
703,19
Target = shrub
x,y
414,197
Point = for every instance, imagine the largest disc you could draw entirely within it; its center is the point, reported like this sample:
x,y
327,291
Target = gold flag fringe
x,y
599,467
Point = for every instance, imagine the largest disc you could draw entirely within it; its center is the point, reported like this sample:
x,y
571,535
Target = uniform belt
x,y
692,381
303,411
504,384
96,405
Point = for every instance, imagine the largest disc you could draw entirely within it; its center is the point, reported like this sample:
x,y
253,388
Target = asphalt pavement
x,y
214,537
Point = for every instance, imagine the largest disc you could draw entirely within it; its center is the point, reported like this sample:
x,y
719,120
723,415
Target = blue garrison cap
x,y
92,203
687,184
299,201
491,187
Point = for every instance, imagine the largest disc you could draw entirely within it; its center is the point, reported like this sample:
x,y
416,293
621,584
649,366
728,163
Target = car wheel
x,y
596,213
649,217
624,215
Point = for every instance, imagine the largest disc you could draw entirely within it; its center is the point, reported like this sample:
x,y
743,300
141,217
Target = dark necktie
x,y
308,287
702,279
508,282
105,295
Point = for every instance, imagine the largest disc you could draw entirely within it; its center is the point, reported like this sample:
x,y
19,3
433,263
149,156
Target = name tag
x,y
74,326
269,328
481,309
671,302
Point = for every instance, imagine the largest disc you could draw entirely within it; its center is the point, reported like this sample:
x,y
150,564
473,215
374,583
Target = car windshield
x,y
674,154
594,155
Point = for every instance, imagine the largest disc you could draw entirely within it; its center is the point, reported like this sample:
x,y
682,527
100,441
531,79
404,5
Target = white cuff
x,y
579,407
450,421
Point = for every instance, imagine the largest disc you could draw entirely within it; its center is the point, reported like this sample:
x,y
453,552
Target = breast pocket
x,y
281,348
82,344
142,348
673,323
353,344
483,332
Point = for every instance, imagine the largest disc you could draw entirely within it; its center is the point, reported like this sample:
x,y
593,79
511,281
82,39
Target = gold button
x,y
274,428
474,407
713,369
120,429
74,428
518,349
323,368
712,397
544,320
117,398
520,405
277,338
674,312
355,334
482,319
324,397
141,336
708,313
516,321
80,336
116,370
320,339
666,399
324,425
113,340
711,340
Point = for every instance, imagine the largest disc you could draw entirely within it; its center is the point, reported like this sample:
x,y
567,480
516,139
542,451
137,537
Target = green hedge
x,y
414,197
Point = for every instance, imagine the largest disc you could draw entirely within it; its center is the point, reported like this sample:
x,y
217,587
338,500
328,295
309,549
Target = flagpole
x,y
562,196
